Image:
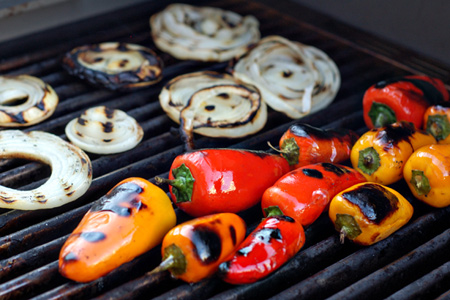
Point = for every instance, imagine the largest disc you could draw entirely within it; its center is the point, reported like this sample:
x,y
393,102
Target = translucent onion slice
x,y
293,78
116,66
213,104
103,130
71,170
203,33
25,100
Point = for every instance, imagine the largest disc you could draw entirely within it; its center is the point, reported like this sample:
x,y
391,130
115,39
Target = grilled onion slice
x,y
213,104
71,170
103,130
116,66
203,33
25,100
293,78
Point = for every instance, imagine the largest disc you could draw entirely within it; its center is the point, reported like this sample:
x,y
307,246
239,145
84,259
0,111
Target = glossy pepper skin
x,y
306,192
276,240
369,212
303,144
381,153
211,181
194,250
427,173
130,219
437,122
402,99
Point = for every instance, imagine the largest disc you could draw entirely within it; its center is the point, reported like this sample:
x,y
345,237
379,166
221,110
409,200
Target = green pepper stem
x,y
290,151
182,184
273,211
164,265
177,183
368,160
381,115
420,182
347,227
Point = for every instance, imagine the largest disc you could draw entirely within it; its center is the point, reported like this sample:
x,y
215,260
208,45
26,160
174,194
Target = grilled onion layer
x,y
25,100
71,170
116,66
104,130
213,104
203,33
293,78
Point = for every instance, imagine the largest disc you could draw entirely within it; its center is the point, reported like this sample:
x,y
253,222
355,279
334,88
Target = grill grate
x,y
412,264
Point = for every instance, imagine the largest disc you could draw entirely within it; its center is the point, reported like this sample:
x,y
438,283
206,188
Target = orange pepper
x,y
129,220
194,250
437,122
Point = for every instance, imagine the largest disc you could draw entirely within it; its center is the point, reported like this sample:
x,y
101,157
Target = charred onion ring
x,y
25,100
116,66
293,78
214,105
103,130
71,169
203,33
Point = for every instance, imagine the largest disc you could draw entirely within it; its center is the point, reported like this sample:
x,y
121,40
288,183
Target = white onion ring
x,y
116,66
102,130
203,33
293,78
213,104
71,170
38,101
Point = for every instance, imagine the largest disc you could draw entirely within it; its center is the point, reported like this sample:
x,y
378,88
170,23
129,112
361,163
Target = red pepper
x,y
222,180
306,192
303,144
402,99
267,248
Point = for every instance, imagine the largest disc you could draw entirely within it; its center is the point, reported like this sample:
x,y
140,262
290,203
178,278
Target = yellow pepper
x,y
381,153
427,173
369,212
437,122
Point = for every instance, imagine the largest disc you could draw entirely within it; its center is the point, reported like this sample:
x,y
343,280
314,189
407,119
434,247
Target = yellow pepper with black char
x,y
381,153
369,212
427,173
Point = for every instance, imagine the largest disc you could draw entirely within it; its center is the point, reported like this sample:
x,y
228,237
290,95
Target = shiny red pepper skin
x,y
406,98
224,180
276,240
306,192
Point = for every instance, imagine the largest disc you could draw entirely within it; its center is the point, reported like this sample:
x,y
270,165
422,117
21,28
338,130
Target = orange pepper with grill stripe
x,y
129,220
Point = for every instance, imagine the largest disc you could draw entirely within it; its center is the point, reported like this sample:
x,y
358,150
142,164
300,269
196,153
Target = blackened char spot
x,y
108,127
18,118
124,193
264,235
109,112
312,173
209,107
307,131
70,257
223,96
233,234
93,236
374,201
81,121
207,244
287,74
391,135
339,171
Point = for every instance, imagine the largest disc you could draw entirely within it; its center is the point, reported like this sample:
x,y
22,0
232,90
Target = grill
x,y
411,264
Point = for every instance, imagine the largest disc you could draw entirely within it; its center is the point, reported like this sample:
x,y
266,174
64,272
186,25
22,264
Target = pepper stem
x,y
182,184
173,260
381,115
347,227
368,160
438,126
290,151
272,211
420,182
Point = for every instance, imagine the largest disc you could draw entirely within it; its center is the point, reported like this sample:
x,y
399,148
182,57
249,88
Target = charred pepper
x,y
402,99
306,192
369,212
129,220
427,173
222,180
381,153
194,250
303,144
437,122
276,240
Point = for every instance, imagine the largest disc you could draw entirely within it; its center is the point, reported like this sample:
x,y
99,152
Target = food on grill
x,y
114,65
222,180
129,220
303,144
369,212
104,130
303,194
203,33
276,240
214,105
71,170
194,250
402,99
25,100
293,78
381,153
427,173
437,122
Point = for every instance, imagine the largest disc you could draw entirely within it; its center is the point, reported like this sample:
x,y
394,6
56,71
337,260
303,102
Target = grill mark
x,y
312,173
93,236
207,244
113,201
339,171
